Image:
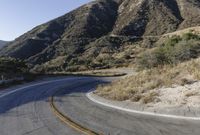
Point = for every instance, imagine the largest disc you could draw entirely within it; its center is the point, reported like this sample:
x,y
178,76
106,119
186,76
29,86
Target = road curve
x,y
27,112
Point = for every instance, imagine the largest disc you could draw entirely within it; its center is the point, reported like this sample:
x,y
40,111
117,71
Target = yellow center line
x,y
70,122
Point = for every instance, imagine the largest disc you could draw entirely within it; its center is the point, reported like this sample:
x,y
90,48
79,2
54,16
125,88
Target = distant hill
x,y
2,43
102,33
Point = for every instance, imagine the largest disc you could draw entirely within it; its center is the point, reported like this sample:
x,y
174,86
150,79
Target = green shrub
x,y
10,67
189,36
175,50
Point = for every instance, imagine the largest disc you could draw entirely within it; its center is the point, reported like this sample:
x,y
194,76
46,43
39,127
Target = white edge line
x,y
37,84
139,112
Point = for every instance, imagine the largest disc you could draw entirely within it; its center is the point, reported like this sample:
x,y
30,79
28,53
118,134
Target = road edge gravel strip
x,y
99,100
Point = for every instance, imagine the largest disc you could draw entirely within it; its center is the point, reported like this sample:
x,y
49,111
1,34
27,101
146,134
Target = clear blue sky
x,y
19,16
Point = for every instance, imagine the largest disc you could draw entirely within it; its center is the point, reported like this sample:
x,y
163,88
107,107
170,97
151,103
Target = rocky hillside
x,y
103,33
2,43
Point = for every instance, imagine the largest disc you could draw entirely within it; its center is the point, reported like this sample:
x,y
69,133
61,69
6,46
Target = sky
x,y
20,16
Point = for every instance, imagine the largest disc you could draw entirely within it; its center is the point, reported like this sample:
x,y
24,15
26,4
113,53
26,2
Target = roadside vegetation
x,y
173,51
95,73
175,62
13,71
10,67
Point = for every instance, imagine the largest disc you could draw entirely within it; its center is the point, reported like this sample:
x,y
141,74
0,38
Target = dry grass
x,y
195,30
142,86
96,73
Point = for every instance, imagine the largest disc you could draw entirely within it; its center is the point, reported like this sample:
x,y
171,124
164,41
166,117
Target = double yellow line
x,y
68,121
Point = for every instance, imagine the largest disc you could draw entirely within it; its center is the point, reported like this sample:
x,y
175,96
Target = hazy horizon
x,y
20,16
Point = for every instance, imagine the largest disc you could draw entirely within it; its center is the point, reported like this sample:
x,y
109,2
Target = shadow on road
x,y
43,92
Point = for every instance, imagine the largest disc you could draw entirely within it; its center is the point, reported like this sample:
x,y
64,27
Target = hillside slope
x,y
83,39
2,43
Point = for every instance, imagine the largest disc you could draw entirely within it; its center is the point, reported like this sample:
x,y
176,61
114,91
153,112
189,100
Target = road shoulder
x,y
127,106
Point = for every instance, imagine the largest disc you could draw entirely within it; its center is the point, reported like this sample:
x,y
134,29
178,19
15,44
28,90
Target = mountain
x,y
102,33
2,43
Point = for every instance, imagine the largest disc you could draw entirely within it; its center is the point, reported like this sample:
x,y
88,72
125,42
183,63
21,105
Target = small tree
x,y
10,67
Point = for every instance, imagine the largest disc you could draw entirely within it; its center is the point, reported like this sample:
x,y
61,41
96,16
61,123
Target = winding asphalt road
x,y
27,112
